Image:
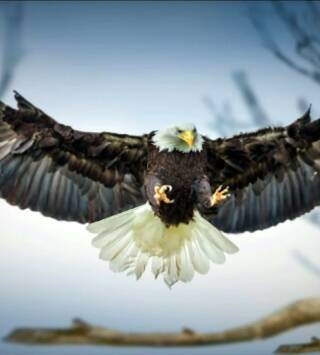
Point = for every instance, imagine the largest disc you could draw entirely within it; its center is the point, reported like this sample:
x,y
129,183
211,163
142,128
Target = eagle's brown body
x,y
186,173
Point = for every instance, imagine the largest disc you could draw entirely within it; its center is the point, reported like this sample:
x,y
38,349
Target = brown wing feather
x,y
272,173
67,174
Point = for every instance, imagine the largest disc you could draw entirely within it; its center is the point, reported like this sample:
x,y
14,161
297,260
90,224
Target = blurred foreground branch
x,y
312,347
225,123
297,314
302,24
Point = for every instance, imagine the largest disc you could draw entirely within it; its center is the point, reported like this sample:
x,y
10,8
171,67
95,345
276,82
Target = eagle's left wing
x,y
67,174
273,175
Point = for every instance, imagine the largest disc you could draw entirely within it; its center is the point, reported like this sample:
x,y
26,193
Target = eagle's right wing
x,y
273,175
67,174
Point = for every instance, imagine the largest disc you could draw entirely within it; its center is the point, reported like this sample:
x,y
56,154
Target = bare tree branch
x,y
312,347
223,120
304,33
297,314
259,117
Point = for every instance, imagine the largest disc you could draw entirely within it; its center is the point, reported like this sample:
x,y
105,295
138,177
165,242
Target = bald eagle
x,y
163,198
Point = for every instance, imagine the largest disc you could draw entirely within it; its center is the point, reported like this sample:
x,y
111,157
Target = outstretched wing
x,y
273,175
67,174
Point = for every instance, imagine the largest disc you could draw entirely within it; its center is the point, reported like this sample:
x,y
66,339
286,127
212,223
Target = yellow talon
x,y
219,195
161,195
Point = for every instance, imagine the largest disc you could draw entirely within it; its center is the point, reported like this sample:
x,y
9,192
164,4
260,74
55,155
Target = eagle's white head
x,y
183,138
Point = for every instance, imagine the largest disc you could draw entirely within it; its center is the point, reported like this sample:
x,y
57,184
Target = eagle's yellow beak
x,y
188,137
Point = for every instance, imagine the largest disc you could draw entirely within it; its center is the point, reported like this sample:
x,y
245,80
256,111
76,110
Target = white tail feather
x,y
130,239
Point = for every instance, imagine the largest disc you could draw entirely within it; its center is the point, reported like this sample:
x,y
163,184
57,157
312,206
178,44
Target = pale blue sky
x,y
134,67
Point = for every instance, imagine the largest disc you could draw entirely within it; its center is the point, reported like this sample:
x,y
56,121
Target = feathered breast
x,y
179,170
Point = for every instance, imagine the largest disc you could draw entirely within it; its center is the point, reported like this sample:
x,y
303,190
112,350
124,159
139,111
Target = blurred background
x,y
134,67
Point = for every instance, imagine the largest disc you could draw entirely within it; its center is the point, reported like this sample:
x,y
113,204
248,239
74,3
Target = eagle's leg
x,y
160,194
219,195
207,200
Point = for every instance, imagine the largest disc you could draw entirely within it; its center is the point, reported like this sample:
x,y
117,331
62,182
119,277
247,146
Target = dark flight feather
x,y
280,178
67,174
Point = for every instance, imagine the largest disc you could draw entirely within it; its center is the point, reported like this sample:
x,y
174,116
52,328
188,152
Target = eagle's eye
x,y
179,131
